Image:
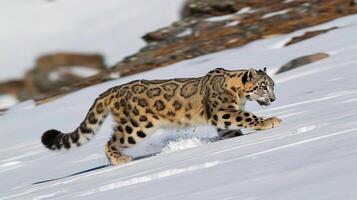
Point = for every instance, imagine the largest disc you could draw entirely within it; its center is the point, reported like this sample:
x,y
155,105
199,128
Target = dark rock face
x,y
199,8
301,61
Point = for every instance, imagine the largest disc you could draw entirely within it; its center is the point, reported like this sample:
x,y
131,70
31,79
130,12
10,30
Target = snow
x,y
184,33
7,100
311,156
220,18
83,71
287,1
182,144
113,28
231,16
281,12
233,23
245,10
151,177
75,70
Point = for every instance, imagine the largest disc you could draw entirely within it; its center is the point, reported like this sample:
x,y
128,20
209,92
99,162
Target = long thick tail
x,y
56,140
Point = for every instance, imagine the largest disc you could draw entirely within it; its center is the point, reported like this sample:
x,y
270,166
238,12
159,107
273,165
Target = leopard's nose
x,y
272,97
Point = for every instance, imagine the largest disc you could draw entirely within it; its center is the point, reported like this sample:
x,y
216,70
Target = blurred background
x,y
54,47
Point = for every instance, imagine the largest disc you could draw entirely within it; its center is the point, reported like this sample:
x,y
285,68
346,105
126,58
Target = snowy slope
x,y
311,156
114,28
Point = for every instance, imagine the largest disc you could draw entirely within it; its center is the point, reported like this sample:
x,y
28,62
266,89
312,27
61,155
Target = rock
x,y
199,8
15,88
217,25
308,35
171,32
50,61
53,72
304,60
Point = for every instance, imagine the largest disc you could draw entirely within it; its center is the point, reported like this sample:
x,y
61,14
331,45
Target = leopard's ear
x,y
264,70
248,75
251,73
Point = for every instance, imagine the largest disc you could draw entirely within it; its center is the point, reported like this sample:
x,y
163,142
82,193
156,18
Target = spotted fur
x,y
140,107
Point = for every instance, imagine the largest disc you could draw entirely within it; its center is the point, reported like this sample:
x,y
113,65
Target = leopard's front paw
x,y
271,123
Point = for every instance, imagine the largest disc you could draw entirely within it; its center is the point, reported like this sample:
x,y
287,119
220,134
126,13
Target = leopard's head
x,y
258,86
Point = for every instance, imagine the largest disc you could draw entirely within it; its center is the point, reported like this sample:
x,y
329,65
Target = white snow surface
x,y
113,28
80,71
230,16
272,14
7,100
311,156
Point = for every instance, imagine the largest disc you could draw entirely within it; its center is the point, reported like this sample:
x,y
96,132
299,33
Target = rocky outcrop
x,y
308,35
14,88
53,73
301,61
210,26
52,61
199,8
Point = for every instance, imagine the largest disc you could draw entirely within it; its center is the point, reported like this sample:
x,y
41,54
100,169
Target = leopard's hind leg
x,y
112,151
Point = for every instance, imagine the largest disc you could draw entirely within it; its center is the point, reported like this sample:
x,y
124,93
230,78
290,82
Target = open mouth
x,y
264,103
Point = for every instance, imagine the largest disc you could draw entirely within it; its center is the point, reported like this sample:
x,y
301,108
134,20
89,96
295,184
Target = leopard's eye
x,y
265,88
